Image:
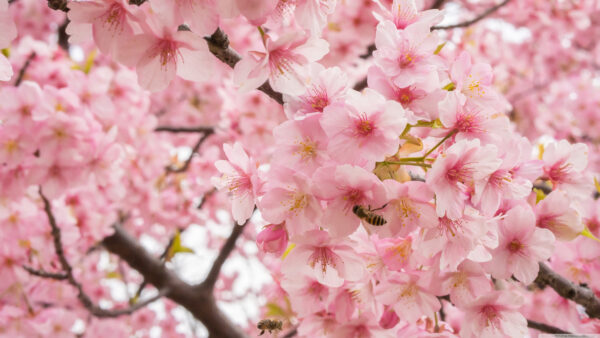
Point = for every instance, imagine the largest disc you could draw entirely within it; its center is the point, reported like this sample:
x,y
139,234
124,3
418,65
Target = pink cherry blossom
x,y
330,261
405,13
556,214
240,177
288,197
563,163
367,122
408,295
456,171
520,246
302,144
327,86
407,55
494,314
162,52
350,186
283,64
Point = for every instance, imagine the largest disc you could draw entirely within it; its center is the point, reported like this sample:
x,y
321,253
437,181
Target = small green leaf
x,y
587,233
176,247
287,251
439,48
274,310
6,52
449,87
113,274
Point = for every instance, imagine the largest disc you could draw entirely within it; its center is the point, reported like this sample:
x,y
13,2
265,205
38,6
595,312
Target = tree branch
x,y
173,129
187,162
24,69
478,18
218,44
545,327
85,300
213,274
200,303
437,4
59,5
45,274
569,290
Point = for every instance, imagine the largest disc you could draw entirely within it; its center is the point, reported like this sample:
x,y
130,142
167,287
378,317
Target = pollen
x,y
10,146
514,246
363,126
296,201
307,149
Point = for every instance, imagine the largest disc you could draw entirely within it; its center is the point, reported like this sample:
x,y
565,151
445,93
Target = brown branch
x,y
218,44
173,129
85,300
437,4
63,37
228,247
24,69
195,149
569,290
199,302
291,333
545,327
360,85
58,5
45,274
478,18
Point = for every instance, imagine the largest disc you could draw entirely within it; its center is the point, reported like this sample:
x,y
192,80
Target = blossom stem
x,y
450,134
424,165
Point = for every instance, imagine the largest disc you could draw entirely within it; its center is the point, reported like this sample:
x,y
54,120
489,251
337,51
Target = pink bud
x,y
273,238
389,319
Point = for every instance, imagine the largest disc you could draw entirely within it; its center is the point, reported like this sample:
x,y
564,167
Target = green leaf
x,y
176,247
449,87
587,233
439,48
274,310
5,52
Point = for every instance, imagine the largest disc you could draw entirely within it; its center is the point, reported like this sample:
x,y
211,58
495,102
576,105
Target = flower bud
x,y
273,239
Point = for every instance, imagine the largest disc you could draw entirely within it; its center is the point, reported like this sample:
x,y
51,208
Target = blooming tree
x,y
397,174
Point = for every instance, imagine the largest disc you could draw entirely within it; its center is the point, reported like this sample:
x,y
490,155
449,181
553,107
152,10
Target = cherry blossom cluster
x,y
400,183
465,230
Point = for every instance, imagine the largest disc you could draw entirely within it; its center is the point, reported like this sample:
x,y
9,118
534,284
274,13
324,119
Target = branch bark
x,y
228,247
84,299
476,19
545,327
174,129
24,69
218,44
569,290
199,302
195,149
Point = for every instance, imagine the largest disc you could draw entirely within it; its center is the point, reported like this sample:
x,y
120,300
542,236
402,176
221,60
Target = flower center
x,y
363,126
307,149
514,246
323,256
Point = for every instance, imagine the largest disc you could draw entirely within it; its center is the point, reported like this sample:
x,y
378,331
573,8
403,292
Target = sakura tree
x,y
400,168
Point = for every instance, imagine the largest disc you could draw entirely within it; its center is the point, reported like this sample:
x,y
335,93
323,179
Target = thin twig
x,y
228,247
545,327
569,290
187,162
24,69
63,37
218,44
45,274
174,129
478,18
85,300
291,333
59,5
438,4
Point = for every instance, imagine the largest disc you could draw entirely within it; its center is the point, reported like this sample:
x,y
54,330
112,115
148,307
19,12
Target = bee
x,y
368,215
269,325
